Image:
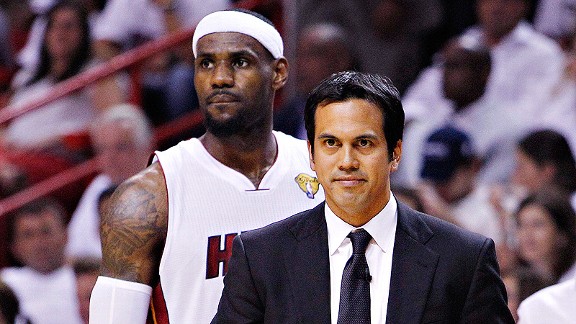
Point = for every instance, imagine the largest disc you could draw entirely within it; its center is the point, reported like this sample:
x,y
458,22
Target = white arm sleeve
x,y
119,301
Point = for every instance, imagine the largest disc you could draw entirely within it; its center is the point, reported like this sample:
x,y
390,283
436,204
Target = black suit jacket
x,y
440,274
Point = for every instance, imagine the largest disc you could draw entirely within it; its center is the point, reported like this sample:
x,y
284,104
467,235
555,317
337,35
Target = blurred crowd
x,y
488,87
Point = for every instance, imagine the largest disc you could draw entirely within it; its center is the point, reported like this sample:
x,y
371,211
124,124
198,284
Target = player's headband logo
x,y
308,184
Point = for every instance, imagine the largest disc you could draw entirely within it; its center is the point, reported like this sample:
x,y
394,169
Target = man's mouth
x,y
222,97
349,181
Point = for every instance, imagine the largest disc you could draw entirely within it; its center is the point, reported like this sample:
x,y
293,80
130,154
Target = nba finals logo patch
x,y
308,184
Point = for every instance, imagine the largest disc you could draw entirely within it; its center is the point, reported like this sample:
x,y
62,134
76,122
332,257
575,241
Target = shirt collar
x,y
381,227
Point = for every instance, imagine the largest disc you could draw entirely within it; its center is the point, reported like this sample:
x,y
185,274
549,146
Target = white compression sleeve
x,y
115,301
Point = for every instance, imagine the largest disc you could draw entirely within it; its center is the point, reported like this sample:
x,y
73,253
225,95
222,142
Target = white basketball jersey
x,y
208,205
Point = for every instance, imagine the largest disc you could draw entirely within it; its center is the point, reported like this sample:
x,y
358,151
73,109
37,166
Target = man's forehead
x,y
229,42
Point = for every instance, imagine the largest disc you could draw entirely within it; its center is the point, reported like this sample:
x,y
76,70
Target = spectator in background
x,y
53,137
86,271
449,189
544,159
546,232
386,35
524,67
44,284
466,70
323,49
123,141
29,56
561,101
65,52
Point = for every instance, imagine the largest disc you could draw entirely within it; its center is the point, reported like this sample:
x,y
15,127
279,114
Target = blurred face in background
x,y
499,17
321,52
539,239
529,175
388,18
121,155
39,240
64,33
464,81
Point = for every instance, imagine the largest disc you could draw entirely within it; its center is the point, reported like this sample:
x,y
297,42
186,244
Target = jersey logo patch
x,y
308,184
216,255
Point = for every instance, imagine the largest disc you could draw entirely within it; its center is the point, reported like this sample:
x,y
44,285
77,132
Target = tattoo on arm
x,y
133,228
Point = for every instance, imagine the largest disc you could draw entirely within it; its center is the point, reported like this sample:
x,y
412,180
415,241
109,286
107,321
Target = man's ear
x,y
280,73
311,155
396,156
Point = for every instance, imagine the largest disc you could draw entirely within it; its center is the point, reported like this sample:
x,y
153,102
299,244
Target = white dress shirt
x,y
45,298
382,228
554,304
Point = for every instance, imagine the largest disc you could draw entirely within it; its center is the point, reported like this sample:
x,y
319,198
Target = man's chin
x,y
222,129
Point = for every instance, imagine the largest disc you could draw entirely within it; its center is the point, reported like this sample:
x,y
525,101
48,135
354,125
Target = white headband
x,y
240,22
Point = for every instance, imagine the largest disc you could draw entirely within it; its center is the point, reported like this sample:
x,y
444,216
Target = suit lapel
x,y
413,267
308,266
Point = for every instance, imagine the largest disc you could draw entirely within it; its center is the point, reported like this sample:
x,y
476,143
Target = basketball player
x,y
171,226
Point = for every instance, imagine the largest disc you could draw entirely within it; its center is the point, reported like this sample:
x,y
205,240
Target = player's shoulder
x,y
289,140
291,147
146,189
151,179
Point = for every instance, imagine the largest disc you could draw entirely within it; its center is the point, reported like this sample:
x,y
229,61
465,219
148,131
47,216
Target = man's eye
x,y
330,142
364,143
205,64
241,63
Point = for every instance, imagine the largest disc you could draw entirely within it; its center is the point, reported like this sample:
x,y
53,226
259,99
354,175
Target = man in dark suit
x,y
310,268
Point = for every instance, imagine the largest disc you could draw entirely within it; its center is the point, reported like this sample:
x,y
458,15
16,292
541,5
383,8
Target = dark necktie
x,y
355,287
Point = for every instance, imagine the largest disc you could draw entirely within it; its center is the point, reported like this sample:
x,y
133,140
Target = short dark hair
x,y
343,86
550,147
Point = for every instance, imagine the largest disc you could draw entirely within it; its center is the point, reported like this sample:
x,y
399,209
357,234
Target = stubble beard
x,y
224,128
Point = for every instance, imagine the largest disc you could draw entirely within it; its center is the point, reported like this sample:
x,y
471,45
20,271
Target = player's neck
x,y
251,155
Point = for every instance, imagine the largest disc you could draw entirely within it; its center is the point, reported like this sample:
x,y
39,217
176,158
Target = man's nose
x,y
348,160
223,76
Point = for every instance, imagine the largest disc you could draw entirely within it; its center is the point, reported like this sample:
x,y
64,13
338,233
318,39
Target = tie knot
x,y
360,240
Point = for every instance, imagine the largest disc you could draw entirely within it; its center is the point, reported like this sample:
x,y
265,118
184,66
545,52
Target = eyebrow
x,y
359,137
233,54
